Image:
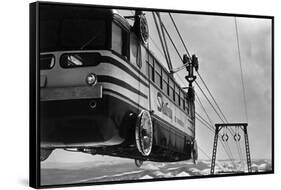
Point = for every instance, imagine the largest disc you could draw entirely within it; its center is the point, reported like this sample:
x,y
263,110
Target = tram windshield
x,y
82,28
72,34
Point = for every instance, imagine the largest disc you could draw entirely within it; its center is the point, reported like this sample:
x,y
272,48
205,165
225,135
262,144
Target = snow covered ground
x,y
118,169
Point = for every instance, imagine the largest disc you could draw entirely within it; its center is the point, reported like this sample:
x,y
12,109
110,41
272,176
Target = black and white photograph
x,y
138,94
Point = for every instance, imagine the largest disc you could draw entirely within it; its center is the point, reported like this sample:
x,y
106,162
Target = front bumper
x,y
71,93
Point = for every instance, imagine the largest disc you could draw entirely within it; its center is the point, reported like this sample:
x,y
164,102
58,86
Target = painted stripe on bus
x,y
135,68
109,79
124,98
126,69
131,95
112,61
108,69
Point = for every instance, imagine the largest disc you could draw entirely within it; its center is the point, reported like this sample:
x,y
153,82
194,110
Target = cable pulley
x,y
237,137
225,137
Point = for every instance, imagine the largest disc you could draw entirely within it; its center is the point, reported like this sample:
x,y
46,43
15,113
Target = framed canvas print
x,y
122,94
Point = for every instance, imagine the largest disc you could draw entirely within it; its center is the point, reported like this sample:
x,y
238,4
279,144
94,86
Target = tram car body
x,y
103,92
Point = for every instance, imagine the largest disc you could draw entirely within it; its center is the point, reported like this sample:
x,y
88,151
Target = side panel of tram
x,y
172,123
174,128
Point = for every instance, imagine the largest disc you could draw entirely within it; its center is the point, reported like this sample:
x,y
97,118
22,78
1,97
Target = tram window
x,y
171,89
119,40
83,34
146,56
139,57
146,69
143,55
135,51
165,82
116,38
147,63
158,80
184,100
47,61
181,100
144,59
125,44
187,107
150,59
151,72
72,34
151,67
177,96
79,60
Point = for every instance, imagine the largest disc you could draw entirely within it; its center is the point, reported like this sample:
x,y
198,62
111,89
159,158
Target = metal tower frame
x,y
218,127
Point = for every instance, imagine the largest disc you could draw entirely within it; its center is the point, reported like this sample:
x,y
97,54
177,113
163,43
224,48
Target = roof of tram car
x,y
53,12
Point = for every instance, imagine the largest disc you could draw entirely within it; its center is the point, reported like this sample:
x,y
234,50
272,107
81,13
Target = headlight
x,y
92,79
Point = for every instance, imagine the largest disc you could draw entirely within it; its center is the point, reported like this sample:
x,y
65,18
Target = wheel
x,y
144,133
138,163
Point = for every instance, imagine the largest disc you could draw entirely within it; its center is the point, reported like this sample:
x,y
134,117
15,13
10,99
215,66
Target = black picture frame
x,y
34,83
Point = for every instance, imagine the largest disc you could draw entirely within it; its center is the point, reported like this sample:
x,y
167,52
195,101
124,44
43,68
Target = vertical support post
x,y
218,127
249,164
214,150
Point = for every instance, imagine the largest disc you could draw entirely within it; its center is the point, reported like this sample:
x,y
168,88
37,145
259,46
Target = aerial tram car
x,y
102,91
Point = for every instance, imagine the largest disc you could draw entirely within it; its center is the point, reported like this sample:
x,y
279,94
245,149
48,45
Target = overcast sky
x,y
213,40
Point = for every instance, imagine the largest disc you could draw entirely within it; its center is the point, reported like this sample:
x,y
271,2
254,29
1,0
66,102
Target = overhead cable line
x,y
211,128
241,74
158,48
225,146
165,42
161,23
204,122
179,34
204,83
222,119
161,41
209,101
205,111
197,71
171,40
225,120
241,70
